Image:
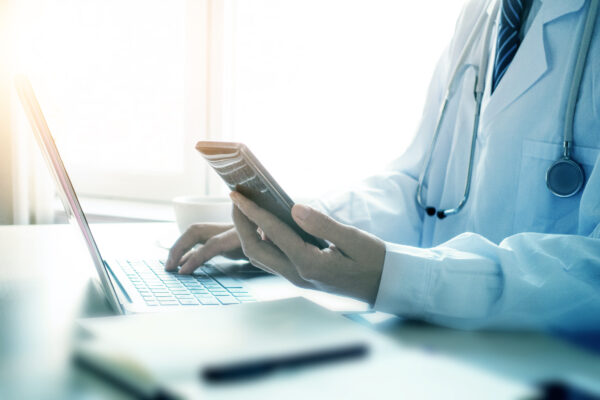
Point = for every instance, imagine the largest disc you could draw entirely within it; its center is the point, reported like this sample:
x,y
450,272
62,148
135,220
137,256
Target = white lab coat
x,y
516,256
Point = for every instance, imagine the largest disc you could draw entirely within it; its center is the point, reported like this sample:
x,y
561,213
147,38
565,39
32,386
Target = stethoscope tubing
x,y
487,14
584,48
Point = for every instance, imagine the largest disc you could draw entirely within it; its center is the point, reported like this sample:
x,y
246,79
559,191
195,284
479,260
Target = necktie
x,y
508,37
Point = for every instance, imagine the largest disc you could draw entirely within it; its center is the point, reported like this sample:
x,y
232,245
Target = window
x,y
321,90
122,85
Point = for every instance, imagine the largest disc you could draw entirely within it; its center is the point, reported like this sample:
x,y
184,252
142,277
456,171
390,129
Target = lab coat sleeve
x,y
528,281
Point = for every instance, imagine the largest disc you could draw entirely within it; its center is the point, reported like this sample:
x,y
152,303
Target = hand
x,y
351,265
217,239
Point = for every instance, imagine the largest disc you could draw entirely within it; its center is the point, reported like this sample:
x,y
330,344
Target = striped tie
x,y
508,38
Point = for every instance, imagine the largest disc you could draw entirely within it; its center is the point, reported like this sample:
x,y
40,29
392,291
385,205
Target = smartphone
x,y
242,172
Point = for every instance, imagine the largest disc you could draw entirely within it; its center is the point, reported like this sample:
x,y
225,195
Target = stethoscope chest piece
x,y
565,177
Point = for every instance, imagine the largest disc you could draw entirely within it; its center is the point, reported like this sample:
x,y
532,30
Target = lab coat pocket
x,y
536,208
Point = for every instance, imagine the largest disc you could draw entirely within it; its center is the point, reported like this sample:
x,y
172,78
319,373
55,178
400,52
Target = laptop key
x,y
188,302
203,294
165,295
199,291
224,294
237,290
210,269
227,300
210,285
137,262
241,295
169,303
226,281
153,263
192,284
209,302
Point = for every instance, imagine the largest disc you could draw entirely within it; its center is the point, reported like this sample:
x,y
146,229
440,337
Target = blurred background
x,y
325,92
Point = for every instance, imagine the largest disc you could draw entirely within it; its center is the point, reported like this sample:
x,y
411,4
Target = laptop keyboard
x,y
206,287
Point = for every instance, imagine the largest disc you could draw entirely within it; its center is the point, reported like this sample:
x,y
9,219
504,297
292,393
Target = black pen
x,y
260,367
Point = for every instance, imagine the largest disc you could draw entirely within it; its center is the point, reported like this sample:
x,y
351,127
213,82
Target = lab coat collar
x,y
530,62
553,9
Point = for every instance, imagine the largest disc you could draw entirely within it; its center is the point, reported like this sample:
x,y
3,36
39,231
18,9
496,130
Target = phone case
x,y
242,172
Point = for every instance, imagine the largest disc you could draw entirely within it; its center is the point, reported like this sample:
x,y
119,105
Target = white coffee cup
x,y
192,209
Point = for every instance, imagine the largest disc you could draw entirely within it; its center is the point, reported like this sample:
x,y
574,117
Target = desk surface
x,y
44,278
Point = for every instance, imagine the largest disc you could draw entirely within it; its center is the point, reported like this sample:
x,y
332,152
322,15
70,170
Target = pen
x,y
260,367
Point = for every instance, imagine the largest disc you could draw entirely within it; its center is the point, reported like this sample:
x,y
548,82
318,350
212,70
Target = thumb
x,y
345,237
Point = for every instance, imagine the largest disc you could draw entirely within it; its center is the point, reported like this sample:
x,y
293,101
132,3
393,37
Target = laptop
x,y
131,285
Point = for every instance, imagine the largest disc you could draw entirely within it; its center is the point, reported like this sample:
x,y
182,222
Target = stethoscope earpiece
x,y
431,211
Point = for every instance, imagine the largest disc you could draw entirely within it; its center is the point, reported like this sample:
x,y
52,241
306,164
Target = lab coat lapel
x,y
530,62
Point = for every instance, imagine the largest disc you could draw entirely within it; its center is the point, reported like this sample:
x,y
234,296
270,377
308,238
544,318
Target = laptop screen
x,y
65,188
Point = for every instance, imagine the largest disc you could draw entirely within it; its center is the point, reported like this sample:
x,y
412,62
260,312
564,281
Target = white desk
x,y
44,274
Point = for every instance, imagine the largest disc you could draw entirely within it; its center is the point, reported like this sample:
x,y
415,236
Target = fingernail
x,y
234,196
301,212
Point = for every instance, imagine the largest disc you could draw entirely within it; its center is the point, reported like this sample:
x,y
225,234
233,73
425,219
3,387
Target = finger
x,y
201,255
186,257
262,234
288,241
345,237
224,243
188,260
264,267
196,233
185,242
252,244
259,251
228,240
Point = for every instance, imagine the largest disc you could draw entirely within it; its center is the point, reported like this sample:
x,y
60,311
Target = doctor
x,y
486,220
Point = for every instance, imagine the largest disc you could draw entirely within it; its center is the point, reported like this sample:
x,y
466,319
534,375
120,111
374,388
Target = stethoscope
x,y
565,177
